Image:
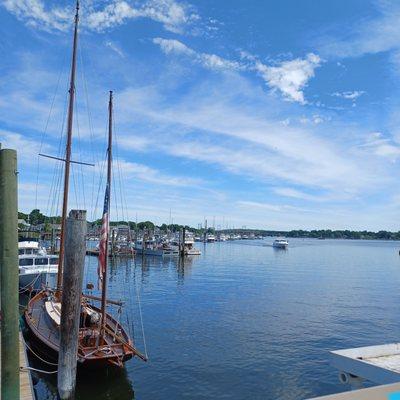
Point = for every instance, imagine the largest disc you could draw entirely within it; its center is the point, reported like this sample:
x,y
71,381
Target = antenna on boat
x,y
68,148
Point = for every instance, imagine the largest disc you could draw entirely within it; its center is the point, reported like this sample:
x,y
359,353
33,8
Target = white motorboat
x,y
222,238
152,247
30,247
190,250
210,238
280,243
36,271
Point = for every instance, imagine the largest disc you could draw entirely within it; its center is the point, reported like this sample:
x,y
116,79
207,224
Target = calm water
x,y
246,321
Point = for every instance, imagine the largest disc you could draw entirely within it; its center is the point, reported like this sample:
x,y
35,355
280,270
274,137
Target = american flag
x,y
104,235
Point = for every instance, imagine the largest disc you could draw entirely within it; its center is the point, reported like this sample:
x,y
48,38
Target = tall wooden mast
x,y
109,162
68,148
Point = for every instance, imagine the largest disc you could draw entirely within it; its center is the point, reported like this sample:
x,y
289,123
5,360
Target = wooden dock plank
x,y
25,382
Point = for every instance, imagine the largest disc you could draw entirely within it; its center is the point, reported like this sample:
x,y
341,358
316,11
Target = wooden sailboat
x,y
102,339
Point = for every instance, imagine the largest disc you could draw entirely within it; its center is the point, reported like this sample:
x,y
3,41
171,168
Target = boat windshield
x,y
25,261
53,260
41,261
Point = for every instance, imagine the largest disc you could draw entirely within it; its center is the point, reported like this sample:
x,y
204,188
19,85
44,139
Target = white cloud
x,y
169,46
210,61
314,119
147,174
290,77
380,33
174,16
115,47
376,143
349,95
35,14
28,149
388,150
296,194
265,206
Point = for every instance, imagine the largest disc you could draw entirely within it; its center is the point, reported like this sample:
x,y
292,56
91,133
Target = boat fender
x,y
354,381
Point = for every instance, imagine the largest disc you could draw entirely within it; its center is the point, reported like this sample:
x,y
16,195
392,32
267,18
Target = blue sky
x,y
267,114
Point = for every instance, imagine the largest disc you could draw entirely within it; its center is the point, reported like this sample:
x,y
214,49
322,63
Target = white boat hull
x,y
280,246
35,279
193,252
157,252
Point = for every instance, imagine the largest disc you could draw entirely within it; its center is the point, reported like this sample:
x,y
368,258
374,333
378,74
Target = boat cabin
x,y
28,261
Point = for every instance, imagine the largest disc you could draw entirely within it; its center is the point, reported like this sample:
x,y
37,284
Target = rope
x,y
141,322
80,168
26,369
29,284
45,129
40,358
95,156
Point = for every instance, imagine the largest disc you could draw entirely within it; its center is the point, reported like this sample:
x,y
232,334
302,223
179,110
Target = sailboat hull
x,y
113,349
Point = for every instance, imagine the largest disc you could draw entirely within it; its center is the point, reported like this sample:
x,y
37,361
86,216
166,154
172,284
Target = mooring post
x,y
183,241
9,275
74,260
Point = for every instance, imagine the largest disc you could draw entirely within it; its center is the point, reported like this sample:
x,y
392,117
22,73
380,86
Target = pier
x,y
383,392
25,379
378,364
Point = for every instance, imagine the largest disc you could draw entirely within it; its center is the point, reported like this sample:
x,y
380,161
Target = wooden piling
x,y
9,275
74,259
182,250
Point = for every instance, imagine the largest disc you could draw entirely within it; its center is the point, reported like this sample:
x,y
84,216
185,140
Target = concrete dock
x,y
383,392
25,382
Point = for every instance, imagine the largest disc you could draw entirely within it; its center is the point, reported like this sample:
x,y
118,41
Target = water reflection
x,y
245,312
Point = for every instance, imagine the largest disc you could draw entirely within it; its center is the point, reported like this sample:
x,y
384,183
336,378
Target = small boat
x,y
30,246
152,247
280,243
189,248
210,238
37,269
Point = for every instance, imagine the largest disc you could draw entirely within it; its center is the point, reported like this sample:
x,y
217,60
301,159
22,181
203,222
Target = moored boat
x,y
102,339
153,247
280,243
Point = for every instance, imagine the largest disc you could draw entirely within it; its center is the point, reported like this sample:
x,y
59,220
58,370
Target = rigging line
x,y
40,358
141,322
89,114
73,173
94,210
122,179
101,173
46,127
119,174
80,154
101,176
57,195
56,167
26,369
115,194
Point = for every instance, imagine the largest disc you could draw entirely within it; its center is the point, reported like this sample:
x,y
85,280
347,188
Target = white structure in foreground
x,y
378,364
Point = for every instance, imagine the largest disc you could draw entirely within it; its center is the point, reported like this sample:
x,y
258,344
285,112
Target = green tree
x,y
36,217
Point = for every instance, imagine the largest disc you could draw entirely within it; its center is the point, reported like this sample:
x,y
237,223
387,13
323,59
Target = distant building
x,y
23,224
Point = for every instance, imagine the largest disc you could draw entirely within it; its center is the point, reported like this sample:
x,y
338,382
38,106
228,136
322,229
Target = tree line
x,y
35,217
